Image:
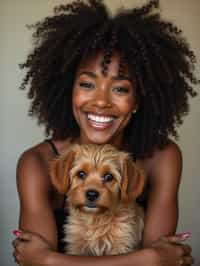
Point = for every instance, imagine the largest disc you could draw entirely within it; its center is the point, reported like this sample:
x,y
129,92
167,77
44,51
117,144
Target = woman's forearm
x,y
138,258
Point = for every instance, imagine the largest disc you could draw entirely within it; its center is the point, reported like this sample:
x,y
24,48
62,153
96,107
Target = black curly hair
x,y
155,51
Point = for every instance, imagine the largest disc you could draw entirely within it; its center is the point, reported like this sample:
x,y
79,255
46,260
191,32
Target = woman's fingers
x,y
18,243
184,249
15,256
186,260
25,236
21,235
187,249
178,249
17,232
178,238
15,242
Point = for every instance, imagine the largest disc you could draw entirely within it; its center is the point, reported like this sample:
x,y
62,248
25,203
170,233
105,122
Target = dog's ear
x,y
133,181
59,171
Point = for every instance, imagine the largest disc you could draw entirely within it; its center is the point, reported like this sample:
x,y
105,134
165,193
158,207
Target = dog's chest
x,y
98,235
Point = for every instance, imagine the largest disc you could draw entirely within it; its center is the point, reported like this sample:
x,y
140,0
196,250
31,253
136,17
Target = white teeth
x,y
100,119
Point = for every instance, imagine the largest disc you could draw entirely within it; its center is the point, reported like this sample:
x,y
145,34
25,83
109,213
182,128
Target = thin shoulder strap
x,y
53,147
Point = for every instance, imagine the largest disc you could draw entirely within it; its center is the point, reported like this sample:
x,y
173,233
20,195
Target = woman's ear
x,y
133,181
59,171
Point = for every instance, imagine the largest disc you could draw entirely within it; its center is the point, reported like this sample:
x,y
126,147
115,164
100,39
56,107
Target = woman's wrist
x,y
152,257
50,259
144,257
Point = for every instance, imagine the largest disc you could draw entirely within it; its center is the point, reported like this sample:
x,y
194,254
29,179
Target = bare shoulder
x,y
32,169
170,154
165,165
34,158
33,164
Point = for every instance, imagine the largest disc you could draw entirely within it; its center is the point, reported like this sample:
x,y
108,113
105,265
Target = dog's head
x,y
95,178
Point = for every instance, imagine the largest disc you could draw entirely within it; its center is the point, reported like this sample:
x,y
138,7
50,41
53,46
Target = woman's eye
x,y
108,177
87,85
81,174
121,90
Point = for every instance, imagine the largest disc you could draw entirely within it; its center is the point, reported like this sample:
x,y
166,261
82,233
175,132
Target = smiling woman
x,y
123,80
102,104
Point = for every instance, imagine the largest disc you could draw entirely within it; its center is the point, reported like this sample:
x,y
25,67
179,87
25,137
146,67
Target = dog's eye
x,y
108,177
81,174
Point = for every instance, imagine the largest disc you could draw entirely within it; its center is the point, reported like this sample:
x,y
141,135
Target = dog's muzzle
x,y
92,196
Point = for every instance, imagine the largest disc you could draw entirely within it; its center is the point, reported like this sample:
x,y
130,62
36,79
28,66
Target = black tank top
x,y
143,198
59,213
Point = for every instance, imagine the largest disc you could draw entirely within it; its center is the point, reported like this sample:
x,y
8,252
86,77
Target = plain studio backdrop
x,y
18,131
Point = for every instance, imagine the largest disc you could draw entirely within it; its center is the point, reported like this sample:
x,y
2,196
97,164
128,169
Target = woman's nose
x,y
102,97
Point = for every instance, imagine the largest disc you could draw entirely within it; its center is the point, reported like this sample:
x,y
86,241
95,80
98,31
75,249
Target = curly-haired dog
x,y
101,184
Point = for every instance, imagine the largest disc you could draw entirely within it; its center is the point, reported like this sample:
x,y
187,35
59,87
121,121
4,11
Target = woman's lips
x,y
100,118
100,121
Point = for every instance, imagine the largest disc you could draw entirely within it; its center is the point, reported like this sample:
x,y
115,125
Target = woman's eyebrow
x,y
93,75
88,73
122,77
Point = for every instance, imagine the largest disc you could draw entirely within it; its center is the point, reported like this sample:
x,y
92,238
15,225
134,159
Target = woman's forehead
x,y
94,62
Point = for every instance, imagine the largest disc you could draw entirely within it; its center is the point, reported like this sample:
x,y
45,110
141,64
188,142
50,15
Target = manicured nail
x,y
185,235
16,233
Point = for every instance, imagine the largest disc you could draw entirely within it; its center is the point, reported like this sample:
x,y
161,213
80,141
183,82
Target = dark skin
x,y
97,97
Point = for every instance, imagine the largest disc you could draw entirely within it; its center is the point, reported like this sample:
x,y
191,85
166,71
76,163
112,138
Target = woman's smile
x,y
99,122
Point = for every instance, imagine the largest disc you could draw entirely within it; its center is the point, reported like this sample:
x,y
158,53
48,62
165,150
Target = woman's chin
x,y
99,140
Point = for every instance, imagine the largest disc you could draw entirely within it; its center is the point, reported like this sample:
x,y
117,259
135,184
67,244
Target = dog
x,y
101,184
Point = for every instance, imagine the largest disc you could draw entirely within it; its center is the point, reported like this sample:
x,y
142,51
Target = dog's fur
x,y
112,223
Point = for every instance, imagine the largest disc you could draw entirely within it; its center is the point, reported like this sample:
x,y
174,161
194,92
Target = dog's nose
x,y
92,195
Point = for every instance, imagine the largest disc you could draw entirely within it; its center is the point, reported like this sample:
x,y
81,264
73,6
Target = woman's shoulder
x,y
36,156
40,155
32,168
169,153
164,162
33,172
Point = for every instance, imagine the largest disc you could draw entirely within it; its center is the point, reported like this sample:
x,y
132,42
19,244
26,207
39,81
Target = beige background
x,y
18,131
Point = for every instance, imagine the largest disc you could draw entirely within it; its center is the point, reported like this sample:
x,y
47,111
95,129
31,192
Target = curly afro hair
x,y
155,51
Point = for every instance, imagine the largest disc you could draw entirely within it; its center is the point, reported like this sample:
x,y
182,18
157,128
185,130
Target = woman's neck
x,y
119,142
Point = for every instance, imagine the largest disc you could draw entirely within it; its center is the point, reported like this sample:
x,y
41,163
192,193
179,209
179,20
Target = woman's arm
x,y
140,258
32,249
34,190
162,211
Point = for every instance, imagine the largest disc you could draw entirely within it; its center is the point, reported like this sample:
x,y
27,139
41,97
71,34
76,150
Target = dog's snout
x,y
92,195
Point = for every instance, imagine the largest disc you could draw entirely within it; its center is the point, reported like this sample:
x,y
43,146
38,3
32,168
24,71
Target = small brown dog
x,y
101,184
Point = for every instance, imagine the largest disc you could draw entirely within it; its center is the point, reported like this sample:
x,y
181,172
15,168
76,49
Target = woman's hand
x,y
30,249
170,251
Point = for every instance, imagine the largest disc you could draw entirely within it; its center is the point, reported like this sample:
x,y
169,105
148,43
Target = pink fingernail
x,y
185,235
16,233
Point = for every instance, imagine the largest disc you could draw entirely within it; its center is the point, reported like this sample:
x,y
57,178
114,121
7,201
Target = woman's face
x,y
102,104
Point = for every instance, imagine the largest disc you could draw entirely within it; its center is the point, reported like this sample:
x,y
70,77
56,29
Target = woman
x,y
123,80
